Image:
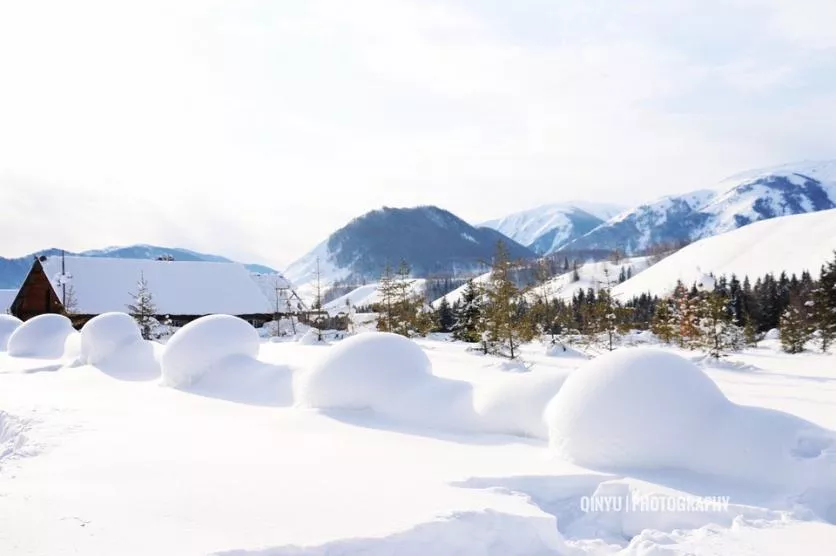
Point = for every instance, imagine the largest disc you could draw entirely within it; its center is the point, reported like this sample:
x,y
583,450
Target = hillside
x,y
546,228
735,202
789,243
430,239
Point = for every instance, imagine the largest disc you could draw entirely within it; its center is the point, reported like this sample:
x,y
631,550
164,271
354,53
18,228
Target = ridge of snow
x,y
787,243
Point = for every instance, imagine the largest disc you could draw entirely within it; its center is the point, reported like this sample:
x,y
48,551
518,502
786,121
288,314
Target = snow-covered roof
x,y
177,287
6,298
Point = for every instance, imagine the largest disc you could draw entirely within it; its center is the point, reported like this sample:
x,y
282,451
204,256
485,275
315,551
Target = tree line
x,y
718,315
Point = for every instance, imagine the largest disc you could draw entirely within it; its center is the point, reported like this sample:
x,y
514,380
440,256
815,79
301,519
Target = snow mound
x,y
388,374
642,408
773,334
311,338
515,403
105,335
561,350
205,344
8,324
632,408
41,336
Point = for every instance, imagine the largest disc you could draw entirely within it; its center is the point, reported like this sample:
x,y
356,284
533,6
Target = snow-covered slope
x,y
546,228
366,295
430,239
789,243
735,202
594,274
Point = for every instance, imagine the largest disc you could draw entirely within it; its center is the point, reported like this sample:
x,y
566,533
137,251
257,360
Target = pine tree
x,y
387,290
70,300
686,317
142,309
575,274
795,328
663,324
824,304
717,333
506,328
444,318
468,324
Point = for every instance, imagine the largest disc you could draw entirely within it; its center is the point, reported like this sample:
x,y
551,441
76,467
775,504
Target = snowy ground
x,y
94,460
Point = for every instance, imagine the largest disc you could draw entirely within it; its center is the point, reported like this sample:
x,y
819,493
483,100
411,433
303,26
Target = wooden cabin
x,y
181,291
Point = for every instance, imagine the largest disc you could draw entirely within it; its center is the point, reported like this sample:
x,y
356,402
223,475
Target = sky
x,y
255,128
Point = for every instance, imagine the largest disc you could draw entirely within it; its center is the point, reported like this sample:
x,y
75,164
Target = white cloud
x,y
255,128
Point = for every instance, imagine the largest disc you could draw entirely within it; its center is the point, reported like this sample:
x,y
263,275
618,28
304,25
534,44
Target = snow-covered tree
x,y
444,317
717,332
142,309
664,324
794,327
468,316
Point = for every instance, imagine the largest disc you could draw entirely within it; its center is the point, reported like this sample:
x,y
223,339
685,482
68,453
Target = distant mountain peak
x,y
431,239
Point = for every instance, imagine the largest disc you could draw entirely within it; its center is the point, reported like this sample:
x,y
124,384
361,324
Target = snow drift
x,y
8,324
204,344
648,409
42,336
515,403
388,374
105,335
112,342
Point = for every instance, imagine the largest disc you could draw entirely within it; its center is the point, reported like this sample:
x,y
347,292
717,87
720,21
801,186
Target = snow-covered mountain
x,y
13,271
789,244
430,239
737,201
546,228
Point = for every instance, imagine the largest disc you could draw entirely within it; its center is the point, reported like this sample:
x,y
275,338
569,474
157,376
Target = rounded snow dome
x,y
365,371
205,344
633,408
105,334
41,336
8,324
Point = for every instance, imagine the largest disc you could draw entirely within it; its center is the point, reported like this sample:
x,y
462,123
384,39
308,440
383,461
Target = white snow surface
x,y
596,275
642,408
104,335
302,272
789,243
42,336
104,285
368,294
526,226
94,463
389,375
207,344
8,324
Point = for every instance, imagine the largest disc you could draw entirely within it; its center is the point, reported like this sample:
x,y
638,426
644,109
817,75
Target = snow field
x,y
205,344
43,336
8,324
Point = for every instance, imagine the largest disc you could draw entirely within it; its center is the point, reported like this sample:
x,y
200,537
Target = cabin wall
x,y
36,296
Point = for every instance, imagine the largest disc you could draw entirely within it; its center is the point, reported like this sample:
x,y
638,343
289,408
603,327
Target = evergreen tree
x,y
686,316
505,327
575,274
824,304
795,328
717,332
445,319
468,315
387,288
142,309
663,324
